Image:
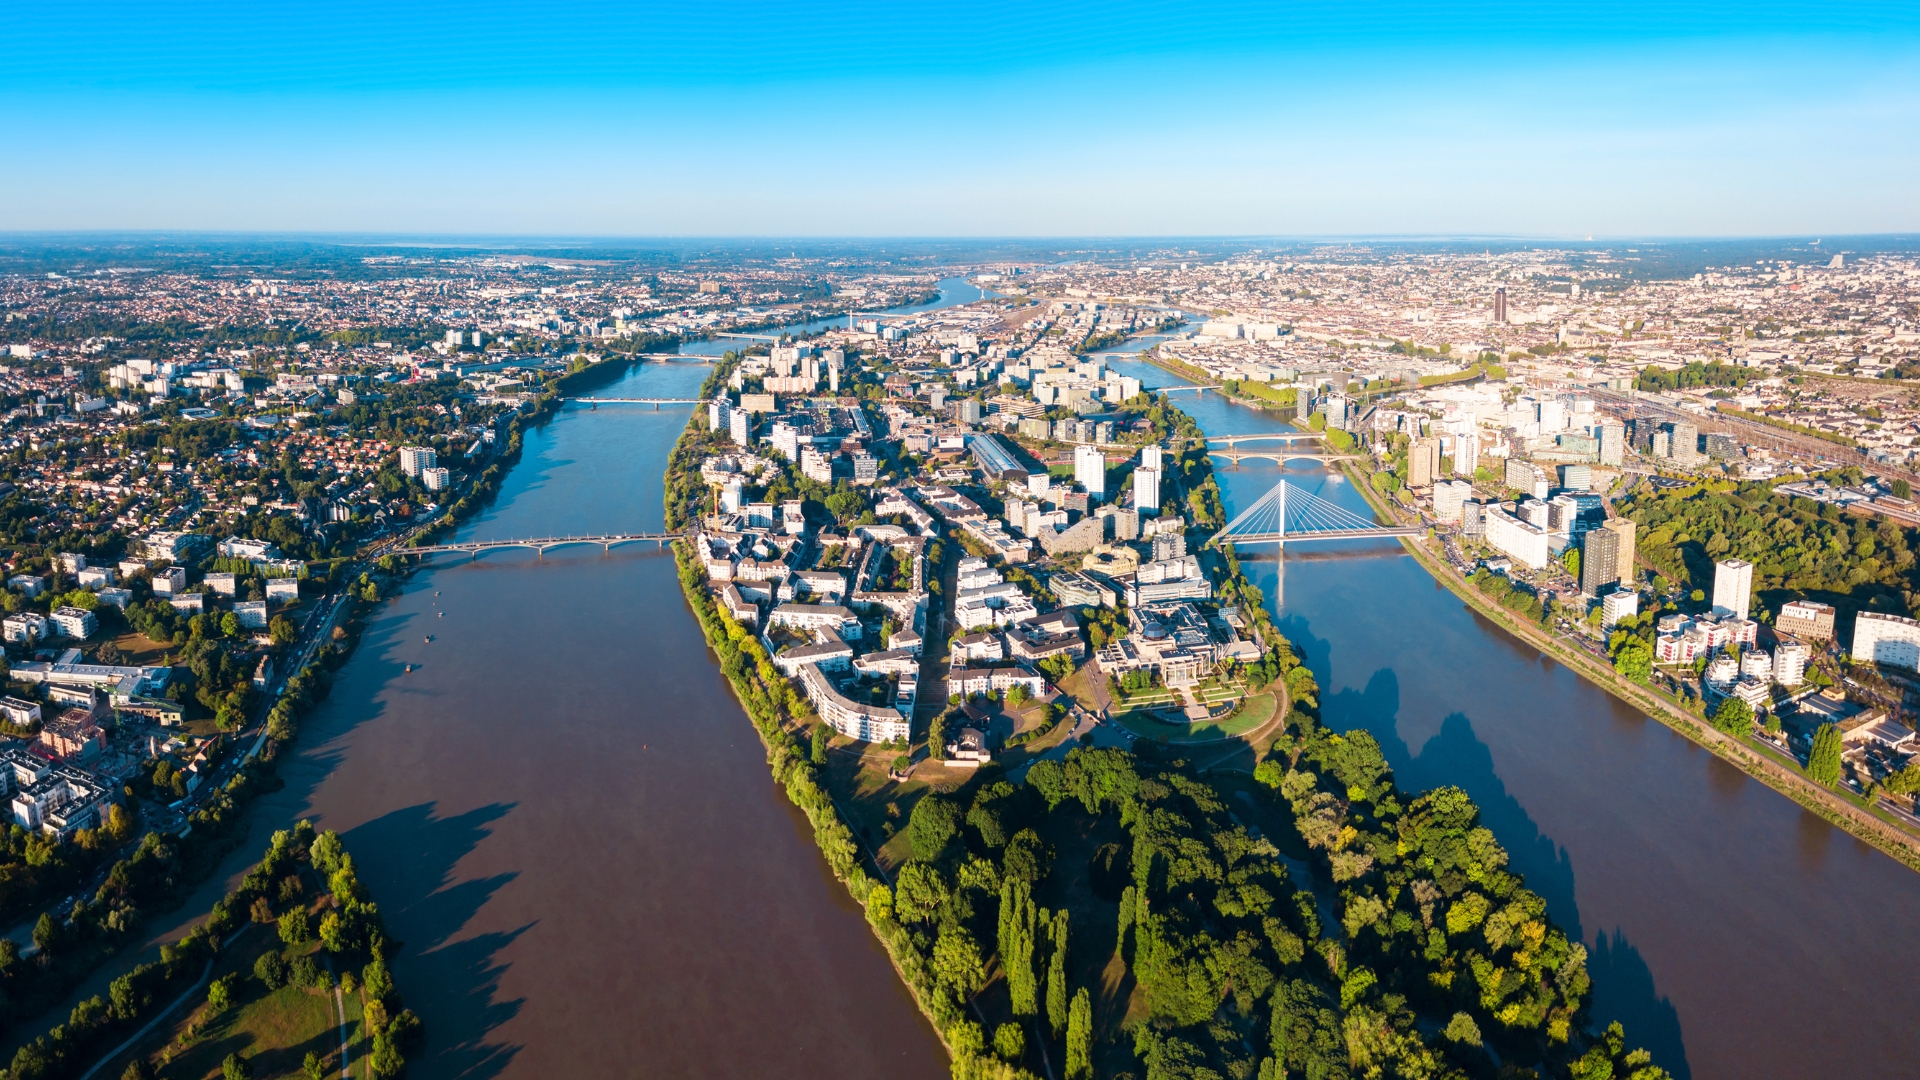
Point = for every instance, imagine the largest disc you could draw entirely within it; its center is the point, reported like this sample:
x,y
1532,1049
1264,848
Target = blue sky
x,y
963,119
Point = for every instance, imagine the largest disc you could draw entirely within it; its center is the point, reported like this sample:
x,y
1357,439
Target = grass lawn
x,y
272,1029
138,650
1258,710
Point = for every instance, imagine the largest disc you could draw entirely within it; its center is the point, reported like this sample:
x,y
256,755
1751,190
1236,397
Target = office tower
x,y
1500,305
1090,470
1146,490
1732,587
415,459
1624,529
1599,561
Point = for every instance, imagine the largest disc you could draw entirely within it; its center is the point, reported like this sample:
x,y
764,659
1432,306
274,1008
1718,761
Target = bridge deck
x,y
474,547
1328,534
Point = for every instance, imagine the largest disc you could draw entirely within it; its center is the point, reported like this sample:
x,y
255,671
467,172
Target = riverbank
x,y
1857,820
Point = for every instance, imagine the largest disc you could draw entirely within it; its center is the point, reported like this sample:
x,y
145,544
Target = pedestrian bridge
x,y
539,545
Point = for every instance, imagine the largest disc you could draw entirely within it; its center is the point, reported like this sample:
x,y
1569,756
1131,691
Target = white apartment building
x,y
169,581
1616,607
1886,639
414,459
1090,470
1732,587
1146,488
1790,664
74,622
436,478
25,627
1523,541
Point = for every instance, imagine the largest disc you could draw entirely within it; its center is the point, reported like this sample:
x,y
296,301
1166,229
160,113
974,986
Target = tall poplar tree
x,y
1080,1037
1017,917
1057,972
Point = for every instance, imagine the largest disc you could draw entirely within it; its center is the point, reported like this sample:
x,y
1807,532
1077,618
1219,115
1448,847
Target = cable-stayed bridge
x,y
1293,513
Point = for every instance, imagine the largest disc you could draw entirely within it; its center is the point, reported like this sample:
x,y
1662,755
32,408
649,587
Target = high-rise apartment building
x,y
1146,490
416,459
1624,529
1090,470
1448,497
1150,456
1466,454
1613,442
1599,562
1423,462
1732,587
1684,446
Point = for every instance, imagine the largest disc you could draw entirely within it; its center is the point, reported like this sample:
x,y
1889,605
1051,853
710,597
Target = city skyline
x,y
1491,120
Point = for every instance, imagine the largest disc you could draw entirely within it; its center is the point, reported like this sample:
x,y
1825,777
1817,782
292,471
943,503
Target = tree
x,y
294,928
1016,943
1057,972
234,1067
230,624
1733,717
934,822
1009,1043
282,630
271,970
138,1069
1823,760
957,963
314,1067
1634,660
220,993
46,933
819,750
1080,1037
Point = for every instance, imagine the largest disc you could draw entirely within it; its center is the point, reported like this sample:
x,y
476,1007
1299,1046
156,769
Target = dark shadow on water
x,y
1623,990
1623,984
456,983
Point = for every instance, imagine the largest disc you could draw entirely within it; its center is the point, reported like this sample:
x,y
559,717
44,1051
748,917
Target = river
x,y
569,823
954,291
566,817
1731,932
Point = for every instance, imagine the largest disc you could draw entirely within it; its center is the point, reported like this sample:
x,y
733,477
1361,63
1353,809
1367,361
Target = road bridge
x,y
540,545
656,402
1290,513
1281,456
